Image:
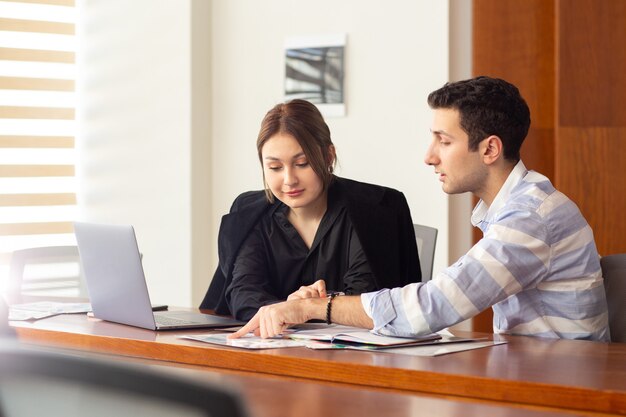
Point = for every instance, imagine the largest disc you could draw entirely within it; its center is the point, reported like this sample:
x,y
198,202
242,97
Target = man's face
x,y
460,170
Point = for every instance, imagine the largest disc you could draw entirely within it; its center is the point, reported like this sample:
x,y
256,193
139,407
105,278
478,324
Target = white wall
x,y
397,52
135,142
175,91
460,205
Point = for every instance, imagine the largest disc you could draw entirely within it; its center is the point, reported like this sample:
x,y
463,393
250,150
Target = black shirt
x,y
274,261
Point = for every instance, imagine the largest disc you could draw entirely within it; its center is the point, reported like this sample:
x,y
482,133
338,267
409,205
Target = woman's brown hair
x,y
302,120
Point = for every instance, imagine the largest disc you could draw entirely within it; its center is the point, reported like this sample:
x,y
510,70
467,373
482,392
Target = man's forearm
x,y
346,310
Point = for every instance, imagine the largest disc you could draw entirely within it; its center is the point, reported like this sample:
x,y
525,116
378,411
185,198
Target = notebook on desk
x,y
117,286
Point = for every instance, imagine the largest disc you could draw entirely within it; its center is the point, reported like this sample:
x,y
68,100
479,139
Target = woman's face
x,y
288,173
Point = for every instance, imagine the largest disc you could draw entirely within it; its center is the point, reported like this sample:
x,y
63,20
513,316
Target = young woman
x,y
308,224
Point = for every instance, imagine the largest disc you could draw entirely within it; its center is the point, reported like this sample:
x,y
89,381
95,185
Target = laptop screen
x,y
114,274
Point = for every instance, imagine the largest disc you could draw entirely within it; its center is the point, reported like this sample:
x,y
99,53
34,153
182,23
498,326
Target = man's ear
x,y
491,149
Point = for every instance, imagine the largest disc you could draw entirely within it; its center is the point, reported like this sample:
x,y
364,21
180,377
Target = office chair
x,y
46,272
426,241
5,329
38,382
614,273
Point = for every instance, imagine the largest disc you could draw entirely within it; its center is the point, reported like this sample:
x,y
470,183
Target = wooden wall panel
x,y
592,163
514,40
569,61
591,63
591,129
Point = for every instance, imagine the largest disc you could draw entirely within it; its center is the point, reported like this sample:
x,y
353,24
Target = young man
x,y
537,265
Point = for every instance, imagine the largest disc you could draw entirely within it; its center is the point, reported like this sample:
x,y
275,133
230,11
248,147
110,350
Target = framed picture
x,y
314,71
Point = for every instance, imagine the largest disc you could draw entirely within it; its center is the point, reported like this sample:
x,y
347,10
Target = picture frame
x,y
315,71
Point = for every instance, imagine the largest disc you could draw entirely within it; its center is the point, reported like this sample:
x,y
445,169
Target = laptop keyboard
x,y
170,321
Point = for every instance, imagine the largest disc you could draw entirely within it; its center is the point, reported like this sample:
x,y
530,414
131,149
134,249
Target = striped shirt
x,y
537,266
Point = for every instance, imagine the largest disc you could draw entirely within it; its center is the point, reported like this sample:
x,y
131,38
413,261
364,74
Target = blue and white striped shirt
x,y
537,266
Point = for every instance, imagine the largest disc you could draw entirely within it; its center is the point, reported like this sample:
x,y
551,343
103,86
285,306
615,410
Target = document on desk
x,y
438,349
42,309
314,336
344,337
246,342
338,334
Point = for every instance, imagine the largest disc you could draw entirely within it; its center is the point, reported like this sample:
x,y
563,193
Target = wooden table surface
x,y
574,375
274,396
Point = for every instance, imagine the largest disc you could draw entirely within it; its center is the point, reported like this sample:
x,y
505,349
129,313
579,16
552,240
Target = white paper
x,y
19,315
42,309
437,350
338,334
245,342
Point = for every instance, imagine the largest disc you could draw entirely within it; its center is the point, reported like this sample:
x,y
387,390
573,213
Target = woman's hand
x,y
272,320
315,290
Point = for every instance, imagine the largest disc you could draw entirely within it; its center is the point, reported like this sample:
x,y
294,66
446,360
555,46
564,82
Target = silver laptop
x,y
117,285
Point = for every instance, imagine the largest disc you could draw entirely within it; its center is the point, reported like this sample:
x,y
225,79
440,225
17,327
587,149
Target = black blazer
x,y
380,216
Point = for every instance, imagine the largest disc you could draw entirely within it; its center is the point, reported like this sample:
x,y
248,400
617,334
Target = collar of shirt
x,y
483,215
336,205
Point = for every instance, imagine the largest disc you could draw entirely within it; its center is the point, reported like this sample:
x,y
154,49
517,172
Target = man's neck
x,y
496,179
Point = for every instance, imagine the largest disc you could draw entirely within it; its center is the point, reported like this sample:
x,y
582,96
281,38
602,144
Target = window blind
x,y
37,125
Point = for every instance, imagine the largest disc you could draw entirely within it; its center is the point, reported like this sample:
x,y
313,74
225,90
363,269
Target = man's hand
x,y
273,319
315,290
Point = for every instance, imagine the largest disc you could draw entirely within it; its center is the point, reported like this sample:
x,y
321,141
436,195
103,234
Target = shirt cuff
x,y
379,307
366,299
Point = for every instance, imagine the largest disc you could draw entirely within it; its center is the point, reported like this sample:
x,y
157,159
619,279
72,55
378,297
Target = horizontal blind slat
x,y
69,3
24,200
15,112
40,65
36,26
53,142
48,84
12,229
12,171
37,55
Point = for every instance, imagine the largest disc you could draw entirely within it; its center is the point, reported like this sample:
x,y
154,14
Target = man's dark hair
x,y
487,106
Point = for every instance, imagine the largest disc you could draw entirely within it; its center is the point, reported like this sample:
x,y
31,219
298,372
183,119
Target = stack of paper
x,y
41,309
351,336
247,342
322,336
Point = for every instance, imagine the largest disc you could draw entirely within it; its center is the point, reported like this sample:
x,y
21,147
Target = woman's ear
x,y
331,156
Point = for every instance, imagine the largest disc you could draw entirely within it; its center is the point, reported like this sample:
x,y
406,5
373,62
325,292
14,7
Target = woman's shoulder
x,y
249,200
366,190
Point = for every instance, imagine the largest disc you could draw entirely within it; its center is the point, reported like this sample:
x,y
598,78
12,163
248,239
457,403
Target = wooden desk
x,y
272,396
574,375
